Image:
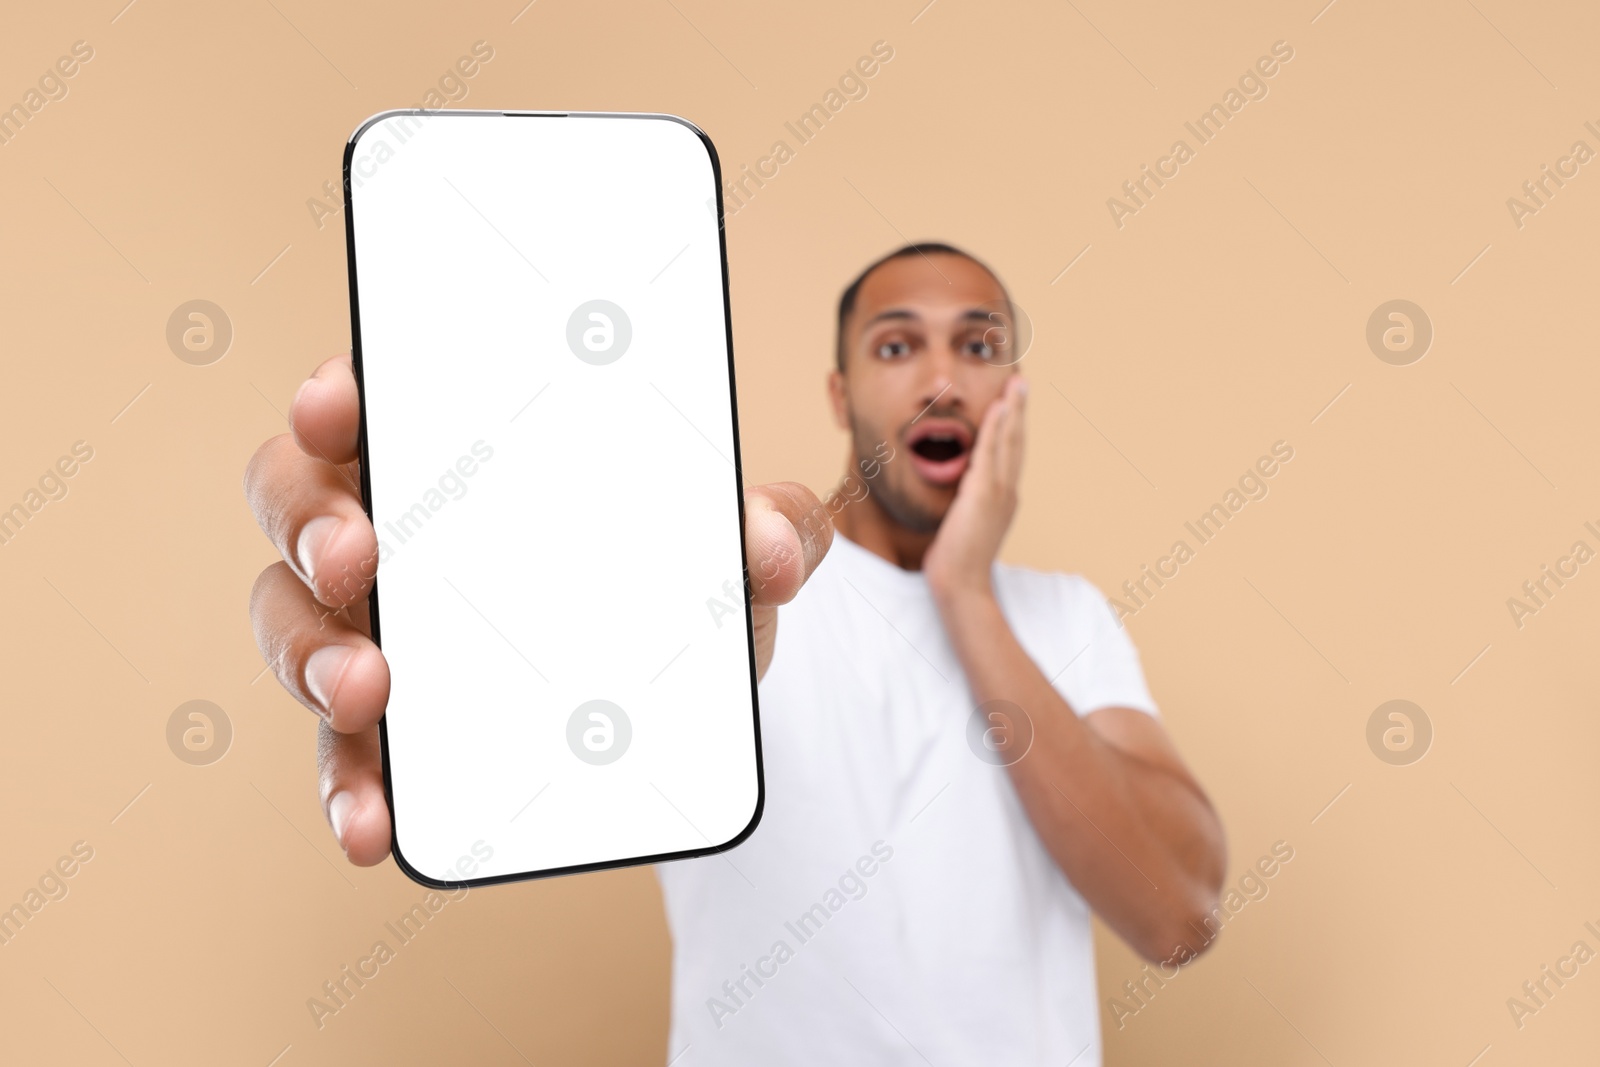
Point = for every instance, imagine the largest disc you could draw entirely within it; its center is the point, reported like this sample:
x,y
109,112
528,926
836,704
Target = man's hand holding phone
x,y
309,610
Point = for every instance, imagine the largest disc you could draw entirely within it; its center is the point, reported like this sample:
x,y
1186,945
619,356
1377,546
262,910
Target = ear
x,y
839,398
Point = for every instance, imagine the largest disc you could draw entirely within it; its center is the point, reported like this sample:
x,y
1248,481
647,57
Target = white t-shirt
x,y
895,905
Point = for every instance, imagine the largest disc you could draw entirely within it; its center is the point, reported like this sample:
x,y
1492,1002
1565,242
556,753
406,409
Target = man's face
x,y
928,346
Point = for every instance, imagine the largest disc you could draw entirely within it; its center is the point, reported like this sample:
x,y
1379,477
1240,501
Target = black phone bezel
x,y
366,497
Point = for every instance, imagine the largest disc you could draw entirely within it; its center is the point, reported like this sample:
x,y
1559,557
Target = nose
x,y
939,376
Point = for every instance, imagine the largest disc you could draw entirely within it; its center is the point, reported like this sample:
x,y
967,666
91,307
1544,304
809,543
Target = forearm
x,y
1139,843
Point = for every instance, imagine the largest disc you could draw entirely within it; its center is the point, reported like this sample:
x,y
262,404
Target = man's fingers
x,y
333,667
1009,457
325,414
313,514
350,771
991,428
787,532
323,659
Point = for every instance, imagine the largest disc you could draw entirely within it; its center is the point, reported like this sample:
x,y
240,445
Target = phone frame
x,y
366,495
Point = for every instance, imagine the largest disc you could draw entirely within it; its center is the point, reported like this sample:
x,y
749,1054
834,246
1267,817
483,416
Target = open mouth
x,y
940,449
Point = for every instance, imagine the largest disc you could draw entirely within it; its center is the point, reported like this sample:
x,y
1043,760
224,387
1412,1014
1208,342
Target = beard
x,y
891,496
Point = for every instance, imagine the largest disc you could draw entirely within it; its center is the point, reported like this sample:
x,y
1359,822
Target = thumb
x,y
787,533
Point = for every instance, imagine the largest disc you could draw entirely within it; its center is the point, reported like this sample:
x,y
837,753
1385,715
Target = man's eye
x,y
893,349
980,348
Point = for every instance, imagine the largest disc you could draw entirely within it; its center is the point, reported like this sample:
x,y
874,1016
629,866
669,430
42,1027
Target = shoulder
x,y
1073,632
1079,599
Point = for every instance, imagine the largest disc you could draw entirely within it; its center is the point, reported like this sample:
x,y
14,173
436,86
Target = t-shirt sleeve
x,y
1105,671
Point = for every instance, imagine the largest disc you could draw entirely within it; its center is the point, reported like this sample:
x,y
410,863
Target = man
x,y
962,758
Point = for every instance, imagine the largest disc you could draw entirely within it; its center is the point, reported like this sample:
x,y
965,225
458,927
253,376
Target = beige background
x,y
1228,314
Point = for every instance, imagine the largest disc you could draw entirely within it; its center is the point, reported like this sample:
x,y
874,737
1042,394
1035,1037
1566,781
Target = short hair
x,y
847,300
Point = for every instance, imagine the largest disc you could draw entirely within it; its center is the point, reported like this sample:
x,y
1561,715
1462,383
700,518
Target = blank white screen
x,y
571,555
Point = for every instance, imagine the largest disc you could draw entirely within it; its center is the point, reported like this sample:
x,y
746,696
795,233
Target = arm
x,y
1107,793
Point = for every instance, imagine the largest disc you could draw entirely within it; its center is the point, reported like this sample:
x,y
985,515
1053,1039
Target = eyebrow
x,y
976,314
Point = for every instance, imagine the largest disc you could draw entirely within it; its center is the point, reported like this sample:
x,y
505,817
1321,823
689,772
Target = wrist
x,y
962,593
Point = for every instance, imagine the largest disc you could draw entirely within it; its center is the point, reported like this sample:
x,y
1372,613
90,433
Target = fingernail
x,y
1022,387
341,806
324,670
314,535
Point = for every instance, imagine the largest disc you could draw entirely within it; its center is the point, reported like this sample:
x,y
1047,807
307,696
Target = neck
x,y
866,523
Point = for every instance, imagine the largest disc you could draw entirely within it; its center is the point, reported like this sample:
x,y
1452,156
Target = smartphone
x,y
550,458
